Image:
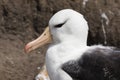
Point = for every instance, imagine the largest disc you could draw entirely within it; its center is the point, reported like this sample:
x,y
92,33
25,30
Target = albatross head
x,y
66,26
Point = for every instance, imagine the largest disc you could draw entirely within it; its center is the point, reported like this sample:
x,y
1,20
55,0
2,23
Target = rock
x,y
28,17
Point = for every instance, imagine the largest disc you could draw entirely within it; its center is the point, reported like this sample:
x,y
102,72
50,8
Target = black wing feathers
x,y
98,64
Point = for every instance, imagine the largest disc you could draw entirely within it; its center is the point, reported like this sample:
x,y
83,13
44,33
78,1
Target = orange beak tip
x,y
27,49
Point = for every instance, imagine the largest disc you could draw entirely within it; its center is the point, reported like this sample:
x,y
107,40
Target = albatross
x,y
68,56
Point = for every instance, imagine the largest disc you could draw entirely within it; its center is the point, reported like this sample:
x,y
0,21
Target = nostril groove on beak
x,y
44,34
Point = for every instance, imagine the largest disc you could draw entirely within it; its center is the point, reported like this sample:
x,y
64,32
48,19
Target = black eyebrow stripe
x,y
59,25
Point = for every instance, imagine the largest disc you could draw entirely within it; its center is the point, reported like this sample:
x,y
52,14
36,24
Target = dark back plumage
x,y
95,64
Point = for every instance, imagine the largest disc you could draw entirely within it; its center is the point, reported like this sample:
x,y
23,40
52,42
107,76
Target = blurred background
x,y
24,20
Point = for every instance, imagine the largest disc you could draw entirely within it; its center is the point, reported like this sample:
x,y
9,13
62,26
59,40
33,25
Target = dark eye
x,y
59,25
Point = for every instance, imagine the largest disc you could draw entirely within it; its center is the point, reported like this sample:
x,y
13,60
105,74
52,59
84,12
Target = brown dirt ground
x,y
15,64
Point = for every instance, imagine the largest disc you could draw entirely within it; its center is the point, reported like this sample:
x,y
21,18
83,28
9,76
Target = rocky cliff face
x,y
27,17
23,20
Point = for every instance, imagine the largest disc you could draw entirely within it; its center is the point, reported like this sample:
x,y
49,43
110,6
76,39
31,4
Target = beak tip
x,y
27,49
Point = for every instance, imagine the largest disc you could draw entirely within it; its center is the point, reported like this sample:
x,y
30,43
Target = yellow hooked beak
x,y
45,38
